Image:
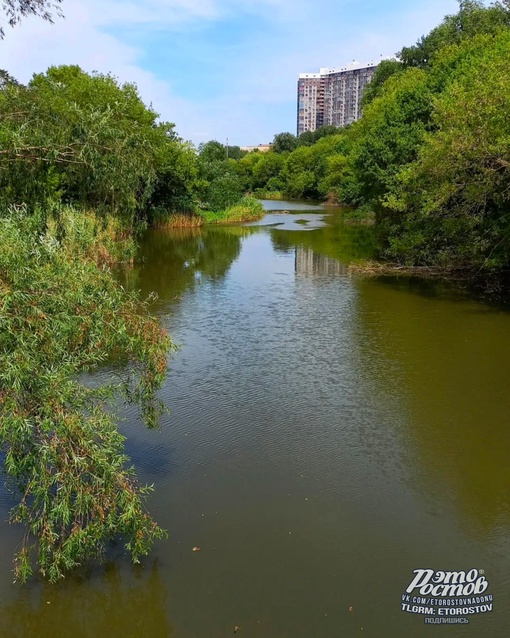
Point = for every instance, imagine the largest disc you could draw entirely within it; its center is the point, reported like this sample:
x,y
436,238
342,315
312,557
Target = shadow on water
x,y
491,290
446,358
128,603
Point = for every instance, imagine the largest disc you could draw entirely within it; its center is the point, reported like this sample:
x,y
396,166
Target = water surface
x,y
327,435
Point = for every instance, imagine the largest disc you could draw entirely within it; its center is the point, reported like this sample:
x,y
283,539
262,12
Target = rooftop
x,y
353,66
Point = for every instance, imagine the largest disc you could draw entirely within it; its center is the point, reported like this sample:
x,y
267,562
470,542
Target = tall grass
x,y
162,219
105,240
265,194
247,210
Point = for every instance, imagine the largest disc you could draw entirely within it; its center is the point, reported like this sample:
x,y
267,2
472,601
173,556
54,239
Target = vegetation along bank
x,y
85,165
430,156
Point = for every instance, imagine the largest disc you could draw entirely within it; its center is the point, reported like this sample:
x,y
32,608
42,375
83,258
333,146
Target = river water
x,y
327,436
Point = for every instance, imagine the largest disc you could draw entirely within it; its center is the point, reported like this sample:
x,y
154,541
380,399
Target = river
x,y
327,435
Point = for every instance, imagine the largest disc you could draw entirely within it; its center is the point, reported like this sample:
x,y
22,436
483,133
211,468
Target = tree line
x,y
70,137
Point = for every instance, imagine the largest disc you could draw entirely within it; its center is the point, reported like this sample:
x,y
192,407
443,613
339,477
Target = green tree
x,y
385,70
390,133
79,138
224,191
235,152
212,151
177,177
473,18
245,169
269,166
61,315
284,142
452,205
308,138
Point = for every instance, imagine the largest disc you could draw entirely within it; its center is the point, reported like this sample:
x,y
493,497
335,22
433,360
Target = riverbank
x,y
248,210
487,286
260,193
374,268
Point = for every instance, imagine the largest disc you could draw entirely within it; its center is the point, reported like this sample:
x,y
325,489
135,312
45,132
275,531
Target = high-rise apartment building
x,y
332,96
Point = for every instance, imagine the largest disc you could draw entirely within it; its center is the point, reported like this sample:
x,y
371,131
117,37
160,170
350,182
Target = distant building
x,y
332,96
263,148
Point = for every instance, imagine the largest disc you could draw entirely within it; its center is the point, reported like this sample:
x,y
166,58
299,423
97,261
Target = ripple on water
x,y
323,441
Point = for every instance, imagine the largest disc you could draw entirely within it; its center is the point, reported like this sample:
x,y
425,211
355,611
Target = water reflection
x,y
335,239
310,264
327,436
174,260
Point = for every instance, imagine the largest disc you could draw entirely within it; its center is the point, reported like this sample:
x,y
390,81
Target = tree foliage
x,y
72,137
220,186
61,315
284,143
453,203
385,69
15,10
473,18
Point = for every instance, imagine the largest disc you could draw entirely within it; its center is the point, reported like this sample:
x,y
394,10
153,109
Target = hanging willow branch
x,y
61,315
15,10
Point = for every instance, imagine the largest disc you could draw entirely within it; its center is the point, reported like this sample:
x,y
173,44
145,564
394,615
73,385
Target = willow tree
x,y
15,10
61,315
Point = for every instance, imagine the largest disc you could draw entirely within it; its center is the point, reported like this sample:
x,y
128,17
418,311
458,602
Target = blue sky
x,y
219,68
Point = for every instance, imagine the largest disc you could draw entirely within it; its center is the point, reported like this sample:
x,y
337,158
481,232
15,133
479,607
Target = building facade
x,y
332,96
263,148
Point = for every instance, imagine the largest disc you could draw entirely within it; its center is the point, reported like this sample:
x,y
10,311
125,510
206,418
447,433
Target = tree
x,y
452,204
83,139
310,137
269,166
212,151
385,70
15,10
61,316
473,18
284,142
224,191
390,133
235,152
245,168
175,187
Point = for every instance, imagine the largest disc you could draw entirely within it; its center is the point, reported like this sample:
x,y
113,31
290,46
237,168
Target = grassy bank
x,y
263,194
162,219
247,210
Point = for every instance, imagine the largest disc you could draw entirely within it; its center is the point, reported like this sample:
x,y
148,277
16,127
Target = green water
x,y
327,436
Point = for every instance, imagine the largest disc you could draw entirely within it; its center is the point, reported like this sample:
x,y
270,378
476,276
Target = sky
x,y
218,69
